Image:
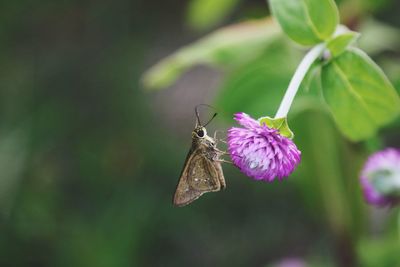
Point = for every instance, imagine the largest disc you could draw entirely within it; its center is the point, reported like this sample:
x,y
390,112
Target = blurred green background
x,y
89,160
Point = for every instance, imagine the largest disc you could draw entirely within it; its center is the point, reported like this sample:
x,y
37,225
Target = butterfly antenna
x,y
215,114
197,114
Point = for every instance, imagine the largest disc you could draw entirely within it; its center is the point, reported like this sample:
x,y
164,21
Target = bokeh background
x,y
89,158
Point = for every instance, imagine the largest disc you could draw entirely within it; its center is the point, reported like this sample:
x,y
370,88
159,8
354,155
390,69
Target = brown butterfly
x,y
202,171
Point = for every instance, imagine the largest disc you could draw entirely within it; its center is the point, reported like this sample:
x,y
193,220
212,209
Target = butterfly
x,y
202,171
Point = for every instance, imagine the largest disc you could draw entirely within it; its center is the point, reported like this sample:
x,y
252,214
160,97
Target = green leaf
x,y
279,123
203,14
307,22
228,47
359,95
339,44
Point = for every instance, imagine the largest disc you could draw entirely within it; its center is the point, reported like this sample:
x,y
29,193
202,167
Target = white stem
x,y
301,72
297,78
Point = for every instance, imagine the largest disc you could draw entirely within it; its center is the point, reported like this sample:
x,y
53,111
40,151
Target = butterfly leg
x,y
221,152
224,161
216,138
226,153
215,133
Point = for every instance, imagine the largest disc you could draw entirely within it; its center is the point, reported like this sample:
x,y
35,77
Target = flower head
x,y
290,262
260,151
380,178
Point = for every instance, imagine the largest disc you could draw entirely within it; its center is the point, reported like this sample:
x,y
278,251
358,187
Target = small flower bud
x,y
380,178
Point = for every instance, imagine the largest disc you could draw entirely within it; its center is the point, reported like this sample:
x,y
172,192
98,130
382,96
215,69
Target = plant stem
x,y
398,224
297,78
301,72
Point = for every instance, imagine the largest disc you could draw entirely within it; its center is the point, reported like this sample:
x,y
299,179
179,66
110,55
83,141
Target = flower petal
x,y
246,121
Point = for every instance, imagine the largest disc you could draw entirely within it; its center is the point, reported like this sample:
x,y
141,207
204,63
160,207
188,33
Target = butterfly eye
x,y
200,133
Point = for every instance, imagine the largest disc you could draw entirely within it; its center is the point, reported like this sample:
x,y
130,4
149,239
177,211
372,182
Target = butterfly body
x,y
202,171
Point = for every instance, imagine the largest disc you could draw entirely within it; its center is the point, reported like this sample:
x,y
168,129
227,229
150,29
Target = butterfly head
x,y
199,132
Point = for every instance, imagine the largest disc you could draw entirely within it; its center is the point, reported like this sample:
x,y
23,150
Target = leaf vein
x,y
351,90
310,22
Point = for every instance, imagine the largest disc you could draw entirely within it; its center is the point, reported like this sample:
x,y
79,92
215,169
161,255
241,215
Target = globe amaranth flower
x,y
380,178
260,151
290,262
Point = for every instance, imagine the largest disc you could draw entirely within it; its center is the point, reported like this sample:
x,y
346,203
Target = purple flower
x,y
380,178
290,262
261,152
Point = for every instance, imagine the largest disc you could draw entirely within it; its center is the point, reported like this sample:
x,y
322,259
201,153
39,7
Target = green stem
x,y
398,224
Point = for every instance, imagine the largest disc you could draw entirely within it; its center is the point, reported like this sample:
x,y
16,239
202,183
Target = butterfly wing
x,y
200,175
